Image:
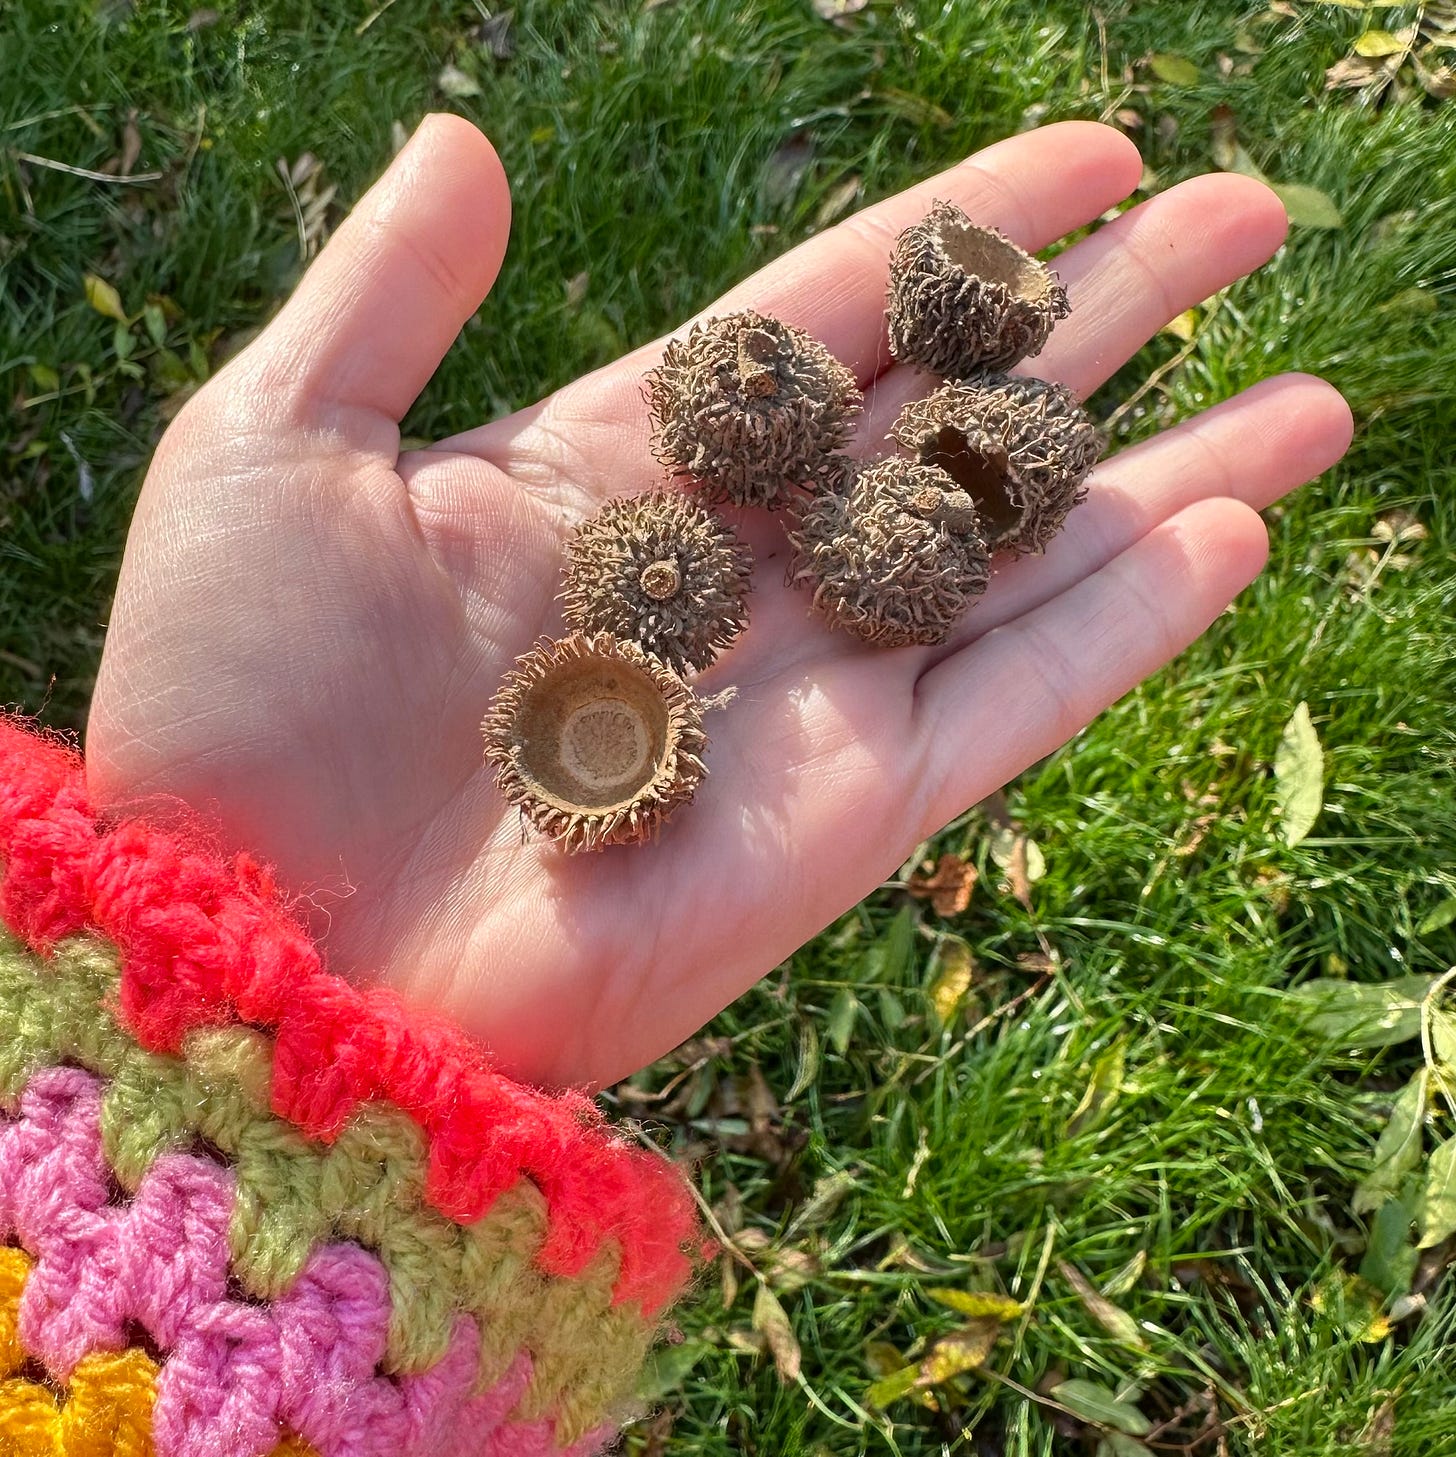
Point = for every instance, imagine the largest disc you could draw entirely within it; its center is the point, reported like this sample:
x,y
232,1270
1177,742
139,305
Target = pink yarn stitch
x,y
236,1372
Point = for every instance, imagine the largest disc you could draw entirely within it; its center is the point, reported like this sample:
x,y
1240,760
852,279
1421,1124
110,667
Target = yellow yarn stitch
x,y
294,1194
106,1409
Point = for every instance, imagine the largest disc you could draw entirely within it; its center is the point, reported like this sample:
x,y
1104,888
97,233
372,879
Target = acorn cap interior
x,y
983,254
982,469
593,733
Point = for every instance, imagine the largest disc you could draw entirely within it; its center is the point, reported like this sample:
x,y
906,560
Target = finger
x,y
1061,664
1036,187
1253,448
374,315
1129,279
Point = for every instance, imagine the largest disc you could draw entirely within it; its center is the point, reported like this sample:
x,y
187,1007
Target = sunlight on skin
x,y
308,627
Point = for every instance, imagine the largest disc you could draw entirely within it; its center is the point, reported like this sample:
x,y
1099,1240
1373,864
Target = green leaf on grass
x,y
1299,777
1438,919
1365,1014
1175,70
1308,207
104,298
892,1388
1095,1403
976,1302
1103,1086
842,1012
1398,1150
668,1367
1437,1214
1390,1256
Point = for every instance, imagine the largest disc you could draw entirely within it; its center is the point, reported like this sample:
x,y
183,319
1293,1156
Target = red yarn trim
x,y
204,944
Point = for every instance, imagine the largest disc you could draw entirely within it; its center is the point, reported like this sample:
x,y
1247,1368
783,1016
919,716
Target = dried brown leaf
x,y
948,887
131,145
771,1321
838,9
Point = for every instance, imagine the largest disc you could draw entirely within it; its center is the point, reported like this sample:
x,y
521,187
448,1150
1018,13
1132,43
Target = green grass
x,y
644,147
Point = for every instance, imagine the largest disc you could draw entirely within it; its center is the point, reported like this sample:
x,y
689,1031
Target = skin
x,y
309,624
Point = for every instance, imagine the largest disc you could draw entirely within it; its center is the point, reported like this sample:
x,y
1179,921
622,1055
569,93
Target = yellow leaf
x,y
977,1303
1184,326
104,298
953,980
1379,43
962,1350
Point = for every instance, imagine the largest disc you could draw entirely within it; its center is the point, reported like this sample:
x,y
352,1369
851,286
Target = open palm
x,y
309,625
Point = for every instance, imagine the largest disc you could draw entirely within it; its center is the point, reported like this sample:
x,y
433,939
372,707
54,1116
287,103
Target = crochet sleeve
x,y
247,1208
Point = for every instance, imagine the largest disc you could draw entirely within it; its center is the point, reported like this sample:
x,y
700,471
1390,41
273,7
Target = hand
x,y
309,625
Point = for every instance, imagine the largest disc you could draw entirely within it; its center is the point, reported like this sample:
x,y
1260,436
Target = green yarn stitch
x,y
293,1194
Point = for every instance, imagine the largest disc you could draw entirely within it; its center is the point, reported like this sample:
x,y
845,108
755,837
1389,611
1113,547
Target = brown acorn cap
x,y
1021,448
661,571
596,741
895,554
750,408
964,299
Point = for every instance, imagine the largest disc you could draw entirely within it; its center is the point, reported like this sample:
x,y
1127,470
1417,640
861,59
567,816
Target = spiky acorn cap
x,y
596,741
661,571
750,408
1021,448
964,299
895,554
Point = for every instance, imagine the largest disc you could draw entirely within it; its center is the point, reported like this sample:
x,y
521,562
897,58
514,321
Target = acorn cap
x,y
596,742
661,571
1021,448
895,554
750,408
966,299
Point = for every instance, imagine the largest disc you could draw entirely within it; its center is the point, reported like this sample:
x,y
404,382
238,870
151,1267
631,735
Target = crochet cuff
x,y
247,1208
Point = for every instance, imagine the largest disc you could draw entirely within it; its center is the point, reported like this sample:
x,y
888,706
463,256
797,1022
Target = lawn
x,y
1111,1159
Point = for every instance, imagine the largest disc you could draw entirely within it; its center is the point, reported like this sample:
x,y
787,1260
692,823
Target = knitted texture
x,y
327,1221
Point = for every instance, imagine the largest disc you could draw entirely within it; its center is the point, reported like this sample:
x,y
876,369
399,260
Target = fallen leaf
x,y
104,298
1299,768
1390,1255
1398,1150
893,1387
955,974
1103,1086
1378,1437
1184,326
1121,1281
1400,527
1365,1014
456,83
1382,43
790,1269
667,1368
948,887
494,35
976,1303
838,201
824,1199
961,1350
1095,1403
771,1321
1355,1305
1175,70
840,1024
203,18
1356,72
1021,858
785,169
838,9
1437,1212
1308,207
131,144
1112,1318
576,289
